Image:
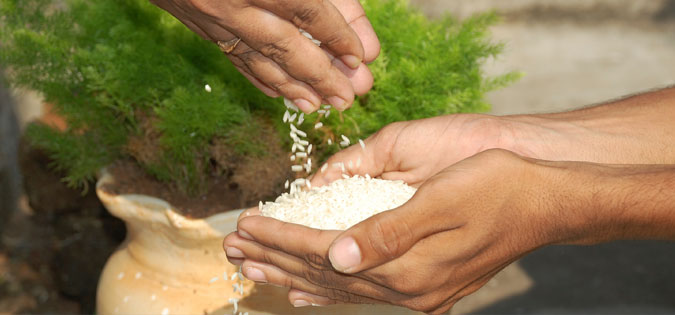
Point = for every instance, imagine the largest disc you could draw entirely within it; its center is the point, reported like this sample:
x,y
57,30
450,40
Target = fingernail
x,y
304,105
245,235
336,102
345,254
301,303
234,252
255,274
351,61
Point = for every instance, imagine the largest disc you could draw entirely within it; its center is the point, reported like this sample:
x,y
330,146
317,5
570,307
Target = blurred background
x,y
572,52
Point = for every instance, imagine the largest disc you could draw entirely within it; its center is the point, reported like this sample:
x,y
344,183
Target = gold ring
x,y
229,45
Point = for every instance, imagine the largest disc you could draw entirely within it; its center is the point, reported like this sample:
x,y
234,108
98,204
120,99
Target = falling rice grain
x,y
301,133
318,125
296,168
345,138
290,105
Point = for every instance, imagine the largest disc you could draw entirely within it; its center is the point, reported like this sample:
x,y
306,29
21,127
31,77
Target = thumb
x,y
383,237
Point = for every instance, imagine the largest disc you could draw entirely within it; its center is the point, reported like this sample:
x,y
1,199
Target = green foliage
x,y
426,68
123,69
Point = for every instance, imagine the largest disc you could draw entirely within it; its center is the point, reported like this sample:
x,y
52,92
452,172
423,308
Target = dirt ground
x,y
572,52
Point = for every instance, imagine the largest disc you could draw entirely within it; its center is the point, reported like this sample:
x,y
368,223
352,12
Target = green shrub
x,y
123,70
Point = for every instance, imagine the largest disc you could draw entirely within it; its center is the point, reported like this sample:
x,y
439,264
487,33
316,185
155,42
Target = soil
x,y
131,179
235,182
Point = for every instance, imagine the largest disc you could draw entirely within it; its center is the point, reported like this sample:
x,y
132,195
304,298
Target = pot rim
x,y
150,208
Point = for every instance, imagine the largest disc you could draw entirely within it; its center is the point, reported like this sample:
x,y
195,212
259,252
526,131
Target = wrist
x,y
588,203
539,137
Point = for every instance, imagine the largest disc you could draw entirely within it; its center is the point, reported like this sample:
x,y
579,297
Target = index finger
x,y
351,161
294,239
366,157
324,22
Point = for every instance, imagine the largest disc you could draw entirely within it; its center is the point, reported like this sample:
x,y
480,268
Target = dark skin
x,y
479,207
280,61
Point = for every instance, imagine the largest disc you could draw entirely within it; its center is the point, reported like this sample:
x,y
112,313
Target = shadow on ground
x,y
628,277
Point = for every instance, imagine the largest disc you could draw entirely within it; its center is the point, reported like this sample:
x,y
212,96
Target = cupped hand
x,y
277,58
464,224
413,151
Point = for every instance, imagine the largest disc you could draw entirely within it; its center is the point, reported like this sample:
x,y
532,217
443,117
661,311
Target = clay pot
x,y
168,264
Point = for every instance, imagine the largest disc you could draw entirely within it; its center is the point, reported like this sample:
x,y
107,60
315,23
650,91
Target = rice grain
x,y
341,204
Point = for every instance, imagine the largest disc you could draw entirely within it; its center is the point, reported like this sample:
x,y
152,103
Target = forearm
x,y
635,130
592,203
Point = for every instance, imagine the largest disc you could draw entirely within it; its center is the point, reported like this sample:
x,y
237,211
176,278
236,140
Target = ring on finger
x,y
228,46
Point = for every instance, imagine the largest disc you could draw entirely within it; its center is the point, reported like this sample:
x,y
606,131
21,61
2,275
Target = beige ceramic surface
x,y
170,264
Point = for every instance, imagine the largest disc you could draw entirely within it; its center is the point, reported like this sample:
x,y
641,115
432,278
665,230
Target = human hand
x,y
462,226
277,58
413,151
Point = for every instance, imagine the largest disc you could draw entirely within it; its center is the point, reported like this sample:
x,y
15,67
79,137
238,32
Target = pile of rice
x,y
341,204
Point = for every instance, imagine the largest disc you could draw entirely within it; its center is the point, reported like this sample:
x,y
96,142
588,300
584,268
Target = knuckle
x,y
307,15
288,282
317,261
388,239
314,80
342,296
279,51
316,276
248,57
278,85
382,240
338,38
266,257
